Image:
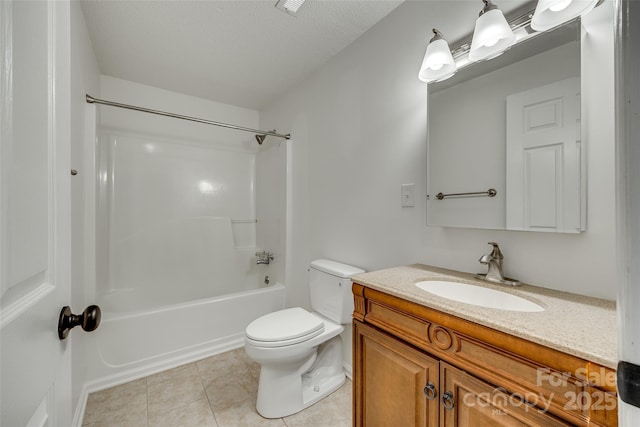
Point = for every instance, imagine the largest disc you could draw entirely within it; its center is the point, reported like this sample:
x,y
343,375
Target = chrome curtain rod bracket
x,y
263,134
489,193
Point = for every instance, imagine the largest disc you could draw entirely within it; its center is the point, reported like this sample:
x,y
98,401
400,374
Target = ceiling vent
x,y
290,6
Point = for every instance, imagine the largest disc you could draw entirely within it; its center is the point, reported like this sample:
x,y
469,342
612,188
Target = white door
x,y
544,159
34,215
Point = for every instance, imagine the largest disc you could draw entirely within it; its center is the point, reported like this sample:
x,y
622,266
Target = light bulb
x,y
438,62
560,6
551,13
490,42
492,34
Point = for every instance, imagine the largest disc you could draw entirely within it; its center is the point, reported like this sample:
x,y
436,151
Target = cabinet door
x,y
390,380
468,401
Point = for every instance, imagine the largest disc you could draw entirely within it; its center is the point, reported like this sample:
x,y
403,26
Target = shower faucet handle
x,y
264,257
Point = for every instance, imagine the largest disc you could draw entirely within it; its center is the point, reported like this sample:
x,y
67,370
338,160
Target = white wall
x,y
128,92
84,79
359,132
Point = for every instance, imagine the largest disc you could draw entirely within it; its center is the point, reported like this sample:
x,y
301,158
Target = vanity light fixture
x,y
438,63
290,6
551,13
492,34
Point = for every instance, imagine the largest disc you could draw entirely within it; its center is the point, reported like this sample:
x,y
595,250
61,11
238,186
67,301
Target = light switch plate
x,y
408,195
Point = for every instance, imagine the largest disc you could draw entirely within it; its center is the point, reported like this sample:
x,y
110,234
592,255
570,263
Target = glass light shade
x,y
492,36
551,13
438,63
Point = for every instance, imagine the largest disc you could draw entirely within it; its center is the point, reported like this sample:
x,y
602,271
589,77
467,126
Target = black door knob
x,y
89,320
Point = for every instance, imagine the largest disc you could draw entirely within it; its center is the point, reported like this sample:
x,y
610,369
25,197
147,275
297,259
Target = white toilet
x,y
300,352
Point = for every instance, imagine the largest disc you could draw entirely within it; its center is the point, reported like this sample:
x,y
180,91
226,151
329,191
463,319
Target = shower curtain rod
x,y
260,134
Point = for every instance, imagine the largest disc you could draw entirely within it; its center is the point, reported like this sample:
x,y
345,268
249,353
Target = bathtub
x,y
129,346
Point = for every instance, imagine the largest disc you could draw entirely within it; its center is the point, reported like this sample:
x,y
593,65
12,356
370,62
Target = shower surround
x,y
177,227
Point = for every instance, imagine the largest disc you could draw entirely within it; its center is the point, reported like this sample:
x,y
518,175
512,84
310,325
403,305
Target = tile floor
x,y
216,392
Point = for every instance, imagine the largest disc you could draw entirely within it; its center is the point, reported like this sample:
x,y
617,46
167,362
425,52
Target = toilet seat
x,y
284,327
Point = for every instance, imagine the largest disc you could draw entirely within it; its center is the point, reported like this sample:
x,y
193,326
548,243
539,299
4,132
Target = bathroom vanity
x,y
425,360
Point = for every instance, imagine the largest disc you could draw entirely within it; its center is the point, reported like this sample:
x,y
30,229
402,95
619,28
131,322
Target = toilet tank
x,y
330,286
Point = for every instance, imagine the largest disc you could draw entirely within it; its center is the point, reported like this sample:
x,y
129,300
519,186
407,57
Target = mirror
x,y
511,124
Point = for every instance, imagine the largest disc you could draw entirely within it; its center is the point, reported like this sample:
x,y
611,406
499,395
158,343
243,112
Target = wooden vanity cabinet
x,y
397,379
397,385
474,403
414,366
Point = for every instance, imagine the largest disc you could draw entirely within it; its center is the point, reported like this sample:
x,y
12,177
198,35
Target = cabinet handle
x,y
430,391
447,400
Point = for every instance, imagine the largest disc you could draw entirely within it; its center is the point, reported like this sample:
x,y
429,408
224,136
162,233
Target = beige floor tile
x,y
334,410
132,420
222,364
244,415
173,393
173,374
216,392
253,366
195,414
245,371
117,403
225,391
249,382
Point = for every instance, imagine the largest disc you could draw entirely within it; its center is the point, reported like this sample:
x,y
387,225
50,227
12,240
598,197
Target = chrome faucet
x,y
494,263
264,257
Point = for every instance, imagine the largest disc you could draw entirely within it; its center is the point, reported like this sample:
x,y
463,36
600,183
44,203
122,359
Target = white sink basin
x,y
477,295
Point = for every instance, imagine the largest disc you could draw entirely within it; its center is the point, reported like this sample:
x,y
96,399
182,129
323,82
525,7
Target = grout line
x,y
215,420
146,395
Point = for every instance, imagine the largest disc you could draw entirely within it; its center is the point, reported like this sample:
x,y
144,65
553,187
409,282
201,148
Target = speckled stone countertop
x,y
575,324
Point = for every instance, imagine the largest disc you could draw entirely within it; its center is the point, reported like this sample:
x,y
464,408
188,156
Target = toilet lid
x,y
285,325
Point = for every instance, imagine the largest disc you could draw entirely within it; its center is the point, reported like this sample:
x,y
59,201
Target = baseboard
x,y
78,416
157,366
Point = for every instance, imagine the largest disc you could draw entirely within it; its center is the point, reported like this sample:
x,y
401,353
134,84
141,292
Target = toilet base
x,y
282,393
310,395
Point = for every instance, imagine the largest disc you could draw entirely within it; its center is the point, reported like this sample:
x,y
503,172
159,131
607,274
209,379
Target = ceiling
x,y
240,52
